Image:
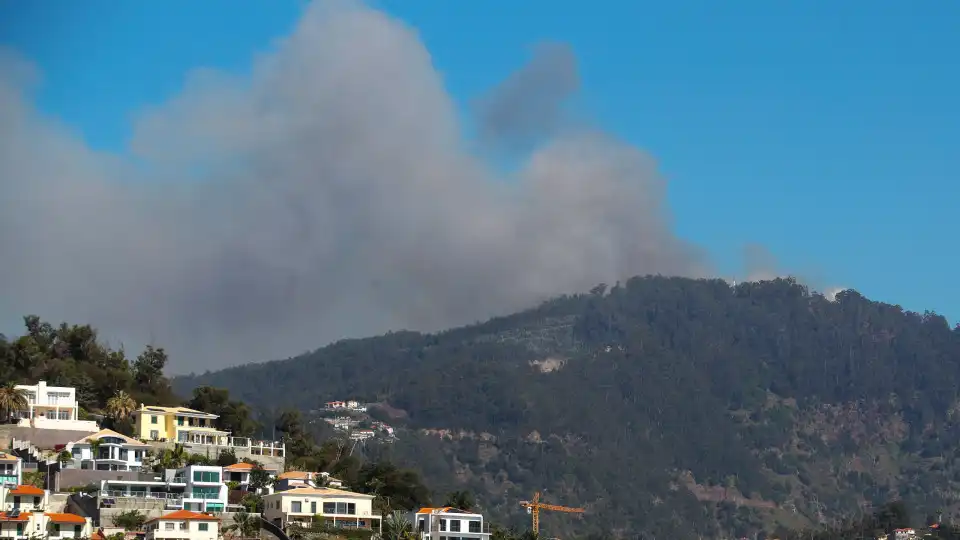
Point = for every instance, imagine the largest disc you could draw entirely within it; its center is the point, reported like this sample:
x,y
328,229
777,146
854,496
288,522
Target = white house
x,y
114,452
337,507
183,525
23,498
450,524
52,407
199,488
60,525
22,525
11,470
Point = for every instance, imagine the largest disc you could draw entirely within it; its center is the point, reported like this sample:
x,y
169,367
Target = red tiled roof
x,y
65,518
24,516
24,489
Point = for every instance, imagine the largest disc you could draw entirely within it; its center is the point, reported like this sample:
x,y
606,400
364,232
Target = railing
x,y
120,494
435,527
204,496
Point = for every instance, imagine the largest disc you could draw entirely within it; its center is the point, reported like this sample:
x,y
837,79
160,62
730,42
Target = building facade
x,y
305,505
198,488
179,425
23,498
107,450
52,407
448,523
11,470
183,525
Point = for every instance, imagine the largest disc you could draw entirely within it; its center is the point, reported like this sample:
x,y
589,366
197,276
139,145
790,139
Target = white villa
x,y
183,525
52,407
450,524
337,507
11,470
199,488
23,498
114,452
22,525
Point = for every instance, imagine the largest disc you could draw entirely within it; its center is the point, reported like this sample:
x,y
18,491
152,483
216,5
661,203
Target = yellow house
x,y
178,424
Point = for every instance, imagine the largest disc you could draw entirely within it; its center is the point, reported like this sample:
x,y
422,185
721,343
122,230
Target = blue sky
x,y
827,131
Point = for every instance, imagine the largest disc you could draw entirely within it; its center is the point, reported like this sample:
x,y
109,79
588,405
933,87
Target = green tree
x,y
227,457
244,525
259,478
130,520
121,406
234,416
12,400
396,526
461,500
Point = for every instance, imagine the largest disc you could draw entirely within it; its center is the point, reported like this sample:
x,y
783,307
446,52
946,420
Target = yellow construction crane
x,y
535,506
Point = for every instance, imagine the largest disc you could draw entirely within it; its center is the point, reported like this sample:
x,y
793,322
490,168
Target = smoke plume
x,y
331,194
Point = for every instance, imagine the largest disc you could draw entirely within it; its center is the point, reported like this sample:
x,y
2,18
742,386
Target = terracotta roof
x,y
427,510
24,489
24,516
185,515
243,466
65,518
330,492
295,475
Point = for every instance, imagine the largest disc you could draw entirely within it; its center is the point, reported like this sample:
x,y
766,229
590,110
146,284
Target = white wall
x,y
193,532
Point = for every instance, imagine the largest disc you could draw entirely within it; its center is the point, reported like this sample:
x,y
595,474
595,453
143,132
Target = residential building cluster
x,y
349,405
91,476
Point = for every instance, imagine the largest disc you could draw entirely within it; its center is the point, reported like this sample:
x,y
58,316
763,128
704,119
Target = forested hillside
x,y
666,405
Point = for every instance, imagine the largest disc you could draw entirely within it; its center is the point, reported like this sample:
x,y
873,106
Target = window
x,y
179,420
206,476
454,525
474,526
421,524
168,526
76,530
443,525
295,507
341,508
153,419
313,507
203,526
56,529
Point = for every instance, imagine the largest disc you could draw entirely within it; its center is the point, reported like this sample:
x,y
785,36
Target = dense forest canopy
x,y
667,405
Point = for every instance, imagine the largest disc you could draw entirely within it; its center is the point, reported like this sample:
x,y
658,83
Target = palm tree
x,y
174,458
245,525
12,399
461,500
396,526
121,405
94,450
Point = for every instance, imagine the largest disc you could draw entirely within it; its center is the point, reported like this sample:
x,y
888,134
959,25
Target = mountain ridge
x,y
669,405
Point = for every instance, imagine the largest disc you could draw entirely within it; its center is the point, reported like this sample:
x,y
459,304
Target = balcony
x,y
203,496
140,494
